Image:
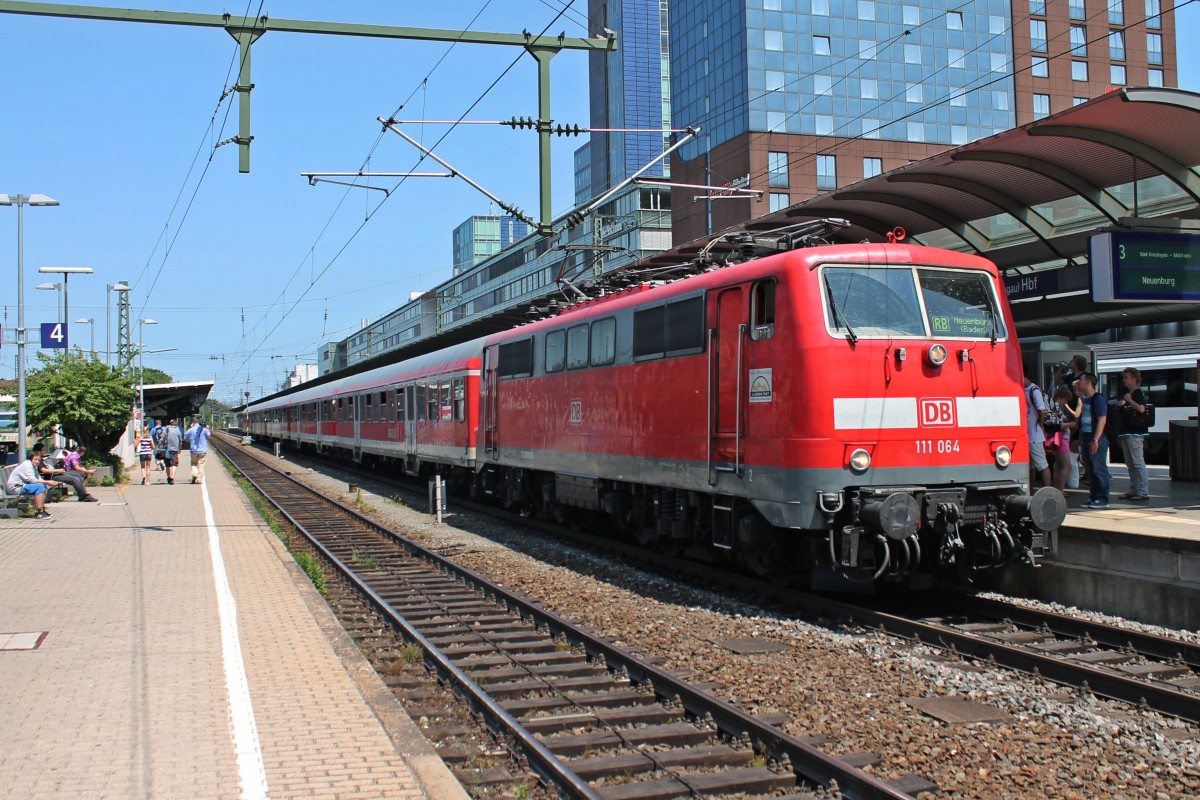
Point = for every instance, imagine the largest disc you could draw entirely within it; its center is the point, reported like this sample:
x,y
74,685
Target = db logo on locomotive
x,y
937,412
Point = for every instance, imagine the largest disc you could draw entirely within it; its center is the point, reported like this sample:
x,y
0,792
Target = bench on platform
x,y
11,504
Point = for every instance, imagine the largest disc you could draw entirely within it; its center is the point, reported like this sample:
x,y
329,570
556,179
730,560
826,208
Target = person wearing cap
x,y
198,436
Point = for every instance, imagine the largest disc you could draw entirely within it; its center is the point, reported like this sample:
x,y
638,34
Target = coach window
x,y
421,402
762,310
556,351
368,409
460,399
410,400
604,342
577,347
341,414
447,410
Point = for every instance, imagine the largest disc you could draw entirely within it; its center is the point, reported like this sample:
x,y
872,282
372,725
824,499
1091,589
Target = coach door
x,y
488,410
726,356
357,408
409,404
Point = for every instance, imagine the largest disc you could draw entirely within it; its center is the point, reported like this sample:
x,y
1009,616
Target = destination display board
x,y
1144,266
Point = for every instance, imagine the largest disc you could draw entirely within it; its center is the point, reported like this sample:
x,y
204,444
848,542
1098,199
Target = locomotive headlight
x,y
1003,456
860,459
936,354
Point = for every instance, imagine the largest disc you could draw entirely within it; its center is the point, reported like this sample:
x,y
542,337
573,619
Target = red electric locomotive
x,y
838,415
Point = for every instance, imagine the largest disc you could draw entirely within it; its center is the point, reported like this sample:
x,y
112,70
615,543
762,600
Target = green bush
x,y
312,568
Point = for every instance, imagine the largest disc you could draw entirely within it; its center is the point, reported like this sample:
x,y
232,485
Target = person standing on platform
x,y
1035,419
1094,440
27,480
198,436
173,438
1133,435
145,451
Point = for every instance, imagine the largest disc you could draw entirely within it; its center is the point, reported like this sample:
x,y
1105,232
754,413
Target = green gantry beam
x,y
247,32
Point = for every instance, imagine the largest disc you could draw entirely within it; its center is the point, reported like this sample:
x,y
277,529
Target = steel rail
x,y
541,758
807,761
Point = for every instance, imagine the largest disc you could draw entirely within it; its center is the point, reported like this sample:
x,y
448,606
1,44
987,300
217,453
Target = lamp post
x,y
66,272
20,201
91,323
54,287
112,287
142,372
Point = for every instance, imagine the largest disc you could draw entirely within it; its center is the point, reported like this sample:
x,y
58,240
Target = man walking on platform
x,y
198,435
173,437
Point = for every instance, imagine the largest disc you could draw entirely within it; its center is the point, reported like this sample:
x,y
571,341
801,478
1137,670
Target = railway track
x,y
591,719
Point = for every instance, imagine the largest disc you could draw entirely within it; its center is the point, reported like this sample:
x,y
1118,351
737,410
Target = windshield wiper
x,y
991,308
837,311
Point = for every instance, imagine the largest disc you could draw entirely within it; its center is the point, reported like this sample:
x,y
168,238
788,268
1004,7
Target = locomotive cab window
x,y
604,342
762,310
577,347
516,359
556,351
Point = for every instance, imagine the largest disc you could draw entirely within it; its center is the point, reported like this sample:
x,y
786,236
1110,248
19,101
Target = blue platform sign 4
x,y
54,335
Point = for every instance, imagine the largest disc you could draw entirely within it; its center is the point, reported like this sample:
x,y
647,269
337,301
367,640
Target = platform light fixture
x,y
20,201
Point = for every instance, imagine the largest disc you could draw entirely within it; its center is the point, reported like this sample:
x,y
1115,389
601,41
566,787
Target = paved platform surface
x,y
184,657
1173,511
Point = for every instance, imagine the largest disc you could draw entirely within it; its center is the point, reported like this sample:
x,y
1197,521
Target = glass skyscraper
x,y
795,97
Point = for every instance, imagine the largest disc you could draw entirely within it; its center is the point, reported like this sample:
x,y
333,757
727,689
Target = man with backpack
x,y
1094,440
1035,420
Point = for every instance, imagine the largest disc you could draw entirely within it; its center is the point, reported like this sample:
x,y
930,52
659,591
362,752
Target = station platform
x,y
162,643
1136,560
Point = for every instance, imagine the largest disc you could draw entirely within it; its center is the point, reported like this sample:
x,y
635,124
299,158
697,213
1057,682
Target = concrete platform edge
x,y
435,778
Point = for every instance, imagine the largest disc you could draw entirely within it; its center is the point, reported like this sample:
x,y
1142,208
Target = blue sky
x,y
107,118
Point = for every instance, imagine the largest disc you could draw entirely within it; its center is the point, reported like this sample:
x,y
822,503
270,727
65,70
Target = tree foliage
x,y
151,376
90,401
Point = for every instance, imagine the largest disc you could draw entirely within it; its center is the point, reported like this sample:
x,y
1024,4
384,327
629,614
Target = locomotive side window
x,y
685,326
460,399
604,342
556,351
516,359
648,331
577,347
762,310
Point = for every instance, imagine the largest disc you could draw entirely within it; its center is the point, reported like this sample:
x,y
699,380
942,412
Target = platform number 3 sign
x,y
54,335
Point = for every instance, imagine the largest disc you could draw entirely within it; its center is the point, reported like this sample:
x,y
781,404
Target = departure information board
x,y
1144,266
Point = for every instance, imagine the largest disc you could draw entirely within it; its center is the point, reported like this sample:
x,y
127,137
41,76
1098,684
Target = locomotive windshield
x,y
911,301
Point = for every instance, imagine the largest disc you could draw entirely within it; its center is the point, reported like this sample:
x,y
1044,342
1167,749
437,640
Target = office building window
x,y
995,24
780,201
866,49
954,20
911,15
869,89
774,80
866,9
777,168
1041,68
1000,100
1041,106
1153,9
822,84
956,58
916,132
1037,7
820,45
1076,9
820,7
999,62
872,167
958,134
1154,48
773,40
826,172
772,5
1116,75
1079,71
913,93
1037,35
871,128
959,98
1116,12
912,54
1116,45
1075,101
1078,40
823,124
1154,77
